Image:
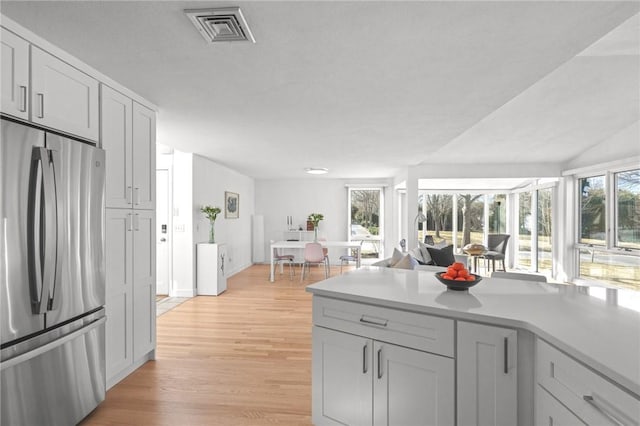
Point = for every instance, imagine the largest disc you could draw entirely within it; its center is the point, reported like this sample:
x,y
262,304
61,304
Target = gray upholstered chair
x,y
278,258
496,249
519,276
346,258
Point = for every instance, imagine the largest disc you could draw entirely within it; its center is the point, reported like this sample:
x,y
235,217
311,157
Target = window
x,y
366,219
497,204
608,248
439,214
592,210
628,209
545,261
524,230
471,219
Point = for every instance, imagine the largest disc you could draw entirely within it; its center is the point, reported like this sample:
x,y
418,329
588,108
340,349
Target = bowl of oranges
x,y
458,277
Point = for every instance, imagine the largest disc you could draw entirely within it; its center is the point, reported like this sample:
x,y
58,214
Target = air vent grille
x,y
221,24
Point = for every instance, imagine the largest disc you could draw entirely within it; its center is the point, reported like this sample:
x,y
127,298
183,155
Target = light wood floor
x,y
242,358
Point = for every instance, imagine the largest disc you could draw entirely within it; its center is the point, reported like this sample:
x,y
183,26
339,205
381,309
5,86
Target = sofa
x,y
425,257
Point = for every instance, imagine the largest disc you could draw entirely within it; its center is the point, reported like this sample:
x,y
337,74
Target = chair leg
x,y
302,271
291,270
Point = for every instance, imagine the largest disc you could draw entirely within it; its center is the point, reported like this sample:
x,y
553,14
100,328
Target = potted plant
x,y
211,213
315,218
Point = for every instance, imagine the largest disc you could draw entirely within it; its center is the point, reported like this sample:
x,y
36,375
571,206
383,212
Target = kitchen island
x,y
546,352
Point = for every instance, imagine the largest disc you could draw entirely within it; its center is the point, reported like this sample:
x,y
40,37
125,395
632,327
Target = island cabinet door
x,y
411,387
487,379
342,365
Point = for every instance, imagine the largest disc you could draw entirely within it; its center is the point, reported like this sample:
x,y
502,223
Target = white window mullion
x,y
611,195
534,231
454,222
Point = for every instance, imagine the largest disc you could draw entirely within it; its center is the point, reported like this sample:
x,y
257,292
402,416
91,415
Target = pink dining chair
x,y
313,255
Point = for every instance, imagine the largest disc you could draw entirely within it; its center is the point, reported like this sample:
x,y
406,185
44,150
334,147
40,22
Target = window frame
x,y
611,213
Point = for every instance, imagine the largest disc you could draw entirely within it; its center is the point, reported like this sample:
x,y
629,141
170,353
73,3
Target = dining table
x,y
355,245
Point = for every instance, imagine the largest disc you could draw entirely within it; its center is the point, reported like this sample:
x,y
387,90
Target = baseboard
x,y
239,269
184,293
112,381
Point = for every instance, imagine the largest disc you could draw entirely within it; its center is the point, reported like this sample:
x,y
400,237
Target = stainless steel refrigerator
x,y
52,277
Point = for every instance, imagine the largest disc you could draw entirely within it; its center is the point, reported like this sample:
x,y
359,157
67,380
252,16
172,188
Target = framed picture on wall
x,y
231,205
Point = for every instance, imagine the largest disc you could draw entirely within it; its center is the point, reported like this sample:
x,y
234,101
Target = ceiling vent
x,y
221,24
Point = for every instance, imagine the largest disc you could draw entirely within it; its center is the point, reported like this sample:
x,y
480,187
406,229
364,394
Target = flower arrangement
x,y
315,218
211,213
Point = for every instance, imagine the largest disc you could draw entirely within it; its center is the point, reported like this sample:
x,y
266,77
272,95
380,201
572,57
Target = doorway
x,y
366,221
164,207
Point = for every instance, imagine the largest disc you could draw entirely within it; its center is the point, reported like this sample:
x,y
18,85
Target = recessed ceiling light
x,y
316,170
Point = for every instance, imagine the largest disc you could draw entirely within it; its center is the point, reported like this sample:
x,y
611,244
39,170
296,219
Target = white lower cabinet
x,y
487,380
411,387
130,291
361,381
549,412
342,378
211,279
591,398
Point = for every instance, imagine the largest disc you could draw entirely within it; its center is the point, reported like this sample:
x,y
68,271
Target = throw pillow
x,y
395,257
442,257
407,262
442,244
426,257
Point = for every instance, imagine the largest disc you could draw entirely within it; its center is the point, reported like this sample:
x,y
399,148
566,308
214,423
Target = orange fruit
x,y
463,273
471,278
457,266
460,279
447,277
452,272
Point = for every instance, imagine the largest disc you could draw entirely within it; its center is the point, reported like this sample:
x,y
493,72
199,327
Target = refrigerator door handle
x,y
56,259
40,229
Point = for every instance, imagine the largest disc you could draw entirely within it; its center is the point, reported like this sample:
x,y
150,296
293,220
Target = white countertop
x,y
575,319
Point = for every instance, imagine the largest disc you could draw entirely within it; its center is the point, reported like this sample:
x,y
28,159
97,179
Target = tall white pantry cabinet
x,y
128,137
46,86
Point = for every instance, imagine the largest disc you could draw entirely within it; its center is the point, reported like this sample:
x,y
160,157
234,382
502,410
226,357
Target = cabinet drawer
x,y
592,398
418,331
550,412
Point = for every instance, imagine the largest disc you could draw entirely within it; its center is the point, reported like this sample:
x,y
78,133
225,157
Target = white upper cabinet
x,y
128,135
15,75
117,141
144,157
62,97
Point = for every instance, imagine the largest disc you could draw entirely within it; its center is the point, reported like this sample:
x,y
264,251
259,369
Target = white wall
x,y
210,181
183,284
198,181
277,199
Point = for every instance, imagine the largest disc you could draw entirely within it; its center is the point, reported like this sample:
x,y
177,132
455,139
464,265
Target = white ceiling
x,y
366,88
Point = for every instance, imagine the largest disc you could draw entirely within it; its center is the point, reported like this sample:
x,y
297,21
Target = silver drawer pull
x,y
591,400
364,359
40,97
374,321
23,98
